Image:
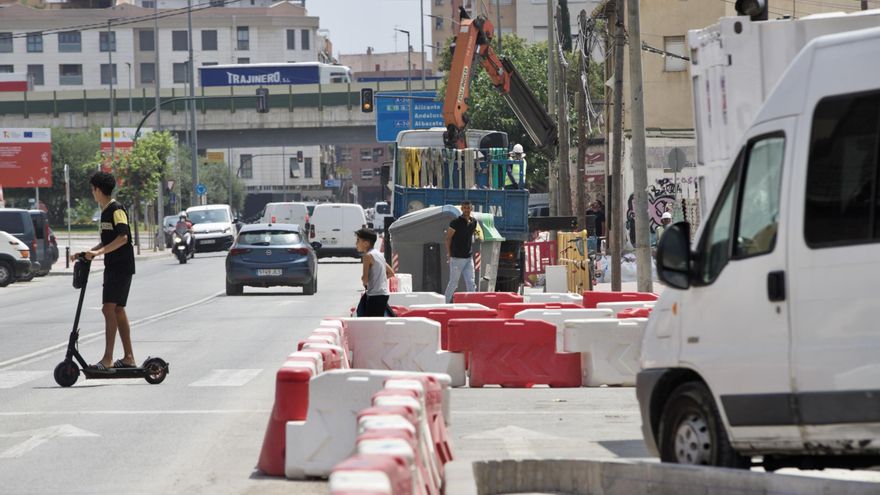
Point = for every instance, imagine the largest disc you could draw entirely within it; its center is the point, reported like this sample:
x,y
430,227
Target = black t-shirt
x,y
114,222
463,237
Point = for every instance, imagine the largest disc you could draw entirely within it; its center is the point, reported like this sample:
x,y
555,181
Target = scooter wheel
x,y
157,370
66,373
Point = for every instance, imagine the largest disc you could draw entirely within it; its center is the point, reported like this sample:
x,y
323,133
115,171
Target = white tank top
x,y
377,282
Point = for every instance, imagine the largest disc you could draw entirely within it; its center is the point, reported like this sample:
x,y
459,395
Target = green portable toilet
x,y
489,249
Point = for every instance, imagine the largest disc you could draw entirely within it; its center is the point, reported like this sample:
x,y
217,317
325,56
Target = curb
x,y
632,478
69,271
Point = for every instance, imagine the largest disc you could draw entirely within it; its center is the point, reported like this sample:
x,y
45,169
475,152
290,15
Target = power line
x,y
128,20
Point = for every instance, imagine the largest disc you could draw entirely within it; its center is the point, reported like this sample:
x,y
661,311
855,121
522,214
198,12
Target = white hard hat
x,y
517,148
666,215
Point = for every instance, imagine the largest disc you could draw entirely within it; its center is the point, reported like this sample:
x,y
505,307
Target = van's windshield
x,y
219,215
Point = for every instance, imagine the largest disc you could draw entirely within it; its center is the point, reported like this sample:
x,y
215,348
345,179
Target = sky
x,y
356,24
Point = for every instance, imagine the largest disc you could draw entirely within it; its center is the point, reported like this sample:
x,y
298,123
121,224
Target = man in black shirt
x,y
116,247
459,239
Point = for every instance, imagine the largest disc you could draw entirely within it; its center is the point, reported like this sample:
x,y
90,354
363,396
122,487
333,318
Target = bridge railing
x,y
142,100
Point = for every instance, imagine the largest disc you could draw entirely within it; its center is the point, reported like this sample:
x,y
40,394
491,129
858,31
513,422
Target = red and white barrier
x,y
617,307
488,299
448,306
409,298
402,344
555,297
609,349
558,317
509,310
443,315
372,474
592,298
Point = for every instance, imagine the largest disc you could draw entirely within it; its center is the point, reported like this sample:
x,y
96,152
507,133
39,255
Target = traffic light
x,y
299,156
367,100
262,100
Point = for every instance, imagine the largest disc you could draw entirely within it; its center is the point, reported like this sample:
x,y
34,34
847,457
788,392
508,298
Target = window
x,y
148,4
244,60
243,36
676,46
6,42
841,200
106,45
181,72
34,42
70,42
179,41
35,75
438,23
105,73
438,2
7,69
148,73
366,155
715,246
293,168
208,64
146,41
209,40
367,174
291,39
307,168
306,38
247,166
218,3
70,75
759,205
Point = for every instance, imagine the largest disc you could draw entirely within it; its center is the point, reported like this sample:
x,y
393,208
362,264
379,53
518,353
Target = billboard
x,y
393,108
258,75
123,137
25,157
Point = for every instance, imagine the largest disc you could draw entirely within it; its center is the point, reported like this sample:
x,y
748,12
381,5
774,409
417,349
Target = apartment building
x,y
364,163
36,42
274,170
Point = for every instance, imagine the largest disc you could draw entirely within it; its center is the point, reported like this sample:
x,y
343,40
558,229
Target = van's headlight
x,y
227,230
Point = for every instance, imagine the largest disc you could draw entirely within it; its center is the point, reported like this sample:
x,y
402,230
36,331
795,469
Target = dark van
x,y
20,224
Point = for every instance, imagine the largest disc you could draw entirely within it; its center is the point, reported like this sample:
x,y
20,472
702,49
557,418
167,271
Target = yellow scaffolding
x,y
574,255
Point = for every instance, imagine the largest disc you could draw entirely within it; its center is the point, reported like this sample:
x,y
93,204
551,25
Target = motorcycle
x,y
182,249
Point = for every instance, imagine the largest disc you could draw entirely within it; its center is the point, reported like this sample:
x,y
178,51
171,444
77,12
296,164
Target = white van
x,y
381,210
770,345
213,227
292,213
334,225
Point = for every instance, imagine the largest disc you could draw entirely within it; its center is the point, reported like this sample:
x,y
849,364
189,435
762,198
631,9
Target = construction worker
x,y
513,170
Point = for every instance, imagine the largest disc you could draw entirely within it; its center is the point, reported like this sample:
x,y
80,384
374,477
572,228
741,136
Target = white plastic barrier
x,y
609,349
617,307
404,282
409,298
373,482
328,436
402,344
558,317
560,297
449,306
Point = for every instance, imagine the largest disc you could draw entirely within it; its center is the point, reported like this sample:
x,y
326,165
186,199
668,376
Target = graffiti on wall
x,y
661,198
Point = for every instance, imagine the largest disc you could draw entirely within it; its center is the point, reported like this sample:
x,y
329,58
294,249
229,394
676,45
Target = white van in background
x,y
381,210
769,346
334,225
213,227
292,213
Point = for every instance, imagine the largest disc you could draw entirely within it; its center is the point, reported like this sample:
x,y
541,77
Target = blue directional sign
x,y
332,183
201,189
393,108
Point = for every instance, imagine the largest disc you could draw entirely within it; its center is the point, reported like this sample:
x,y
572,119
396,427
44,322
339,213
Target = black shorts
x,y
116,286
375,305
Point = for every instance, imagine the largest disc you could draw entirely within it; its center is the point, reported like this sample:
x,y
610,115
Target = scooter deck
x,y
90,372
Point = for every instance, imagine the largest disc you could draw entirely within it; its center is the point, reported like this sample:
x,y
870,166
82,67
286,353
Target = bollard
x,y
67,257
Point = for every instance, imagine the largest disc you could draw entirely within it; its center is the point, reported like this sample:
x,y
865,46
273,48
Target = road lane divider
x,y
609,349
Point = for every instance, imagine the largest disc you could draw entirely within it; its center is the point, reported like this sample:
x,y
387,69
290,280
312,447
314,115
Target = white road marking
x,y
9,379
226,378
35,438
91,336
288,303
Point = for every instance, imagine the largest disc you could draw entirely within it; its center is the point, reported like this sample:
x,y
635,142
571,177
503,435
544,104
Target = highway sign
x,y
393,108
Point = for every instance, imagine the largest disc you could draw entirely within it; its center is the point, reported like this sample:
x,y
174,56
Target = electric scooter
x,y
154,370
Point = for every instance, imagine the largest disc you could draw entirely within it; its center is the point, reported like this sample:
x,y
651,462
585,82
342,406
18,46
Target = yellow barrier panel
x,y
574,256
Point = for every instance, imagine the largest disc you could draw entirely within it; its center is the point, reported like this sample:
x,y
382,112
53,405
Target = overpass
x,y
302,115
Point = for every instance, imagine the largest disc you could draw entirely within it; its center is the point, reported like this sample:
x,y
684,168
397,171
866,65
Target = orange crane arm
x,y
472,45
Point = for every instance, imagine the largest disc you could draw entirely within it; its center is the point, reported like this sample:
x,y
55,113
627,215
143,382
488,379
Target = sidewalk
x,y
59,267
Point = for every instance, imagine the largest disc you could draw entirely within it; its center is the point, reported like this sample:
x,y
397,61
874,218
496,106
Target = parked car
x,y
46,254
168,224
334,225
267,255
15,259
214,227
20,224
381,210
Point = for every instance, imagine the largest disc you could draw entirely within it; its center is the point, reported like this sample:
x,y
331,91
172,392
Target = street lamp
x,y
409,72
128,64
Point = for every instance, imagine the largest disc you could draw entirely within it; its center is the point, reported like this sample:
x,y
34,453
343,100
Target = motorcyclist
x,y
184,230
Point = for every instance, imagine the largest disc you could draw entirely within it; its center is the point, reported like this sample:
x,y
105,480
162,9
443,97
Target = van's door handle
x,y
336,230
776,286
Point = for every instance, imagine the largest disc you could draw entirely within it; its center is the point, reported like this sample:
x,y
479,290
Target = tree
x,y
213,175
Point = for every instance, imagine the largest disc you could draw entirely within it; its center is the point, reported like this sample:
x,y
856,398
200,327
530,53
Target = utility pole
x,y
564,196
160,211
552,166
615,225
639,158
112,99
581,104
498,23
191,71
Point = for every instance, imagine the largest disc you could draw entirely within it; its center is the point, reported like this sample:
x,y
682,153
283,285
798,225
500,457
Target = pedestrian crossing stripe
x,y
9,379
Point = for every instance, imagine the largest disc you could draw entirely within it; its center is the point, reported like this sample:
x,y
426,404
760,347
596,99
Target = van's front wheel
x,y
691,430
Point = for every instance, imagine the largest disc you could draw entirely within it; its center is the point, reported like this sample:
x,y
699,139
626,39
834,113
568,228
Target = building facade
x,y
361,165
78,59
445,16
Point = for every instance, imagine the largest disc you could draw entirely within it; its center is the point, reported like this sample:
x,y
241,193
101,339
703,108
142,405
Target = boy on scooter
x,y
118,252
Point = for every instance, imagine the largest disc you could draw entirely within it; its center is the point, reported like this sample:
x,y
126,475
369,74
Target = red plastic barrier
x,y
291,404
312,339
400,310
509,310
393,284
434,404
332,357
394,467
443,315
488,299
514,353
537,256
592,298
634,313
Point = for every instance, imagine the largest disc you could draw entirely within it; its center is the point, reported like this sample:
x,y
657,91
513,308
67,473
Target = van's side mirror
x,y
674,256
